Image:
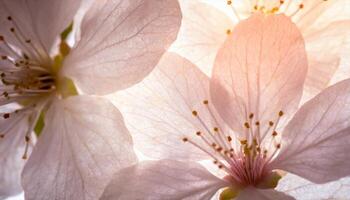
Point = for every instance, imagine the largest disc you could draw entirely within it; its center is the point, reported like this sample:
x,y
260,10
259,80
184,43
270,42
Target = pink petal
x,y
40,21
325,48
300,188
258,194
158,111
121,43
164,179
203,31
261,70
83,144
315,144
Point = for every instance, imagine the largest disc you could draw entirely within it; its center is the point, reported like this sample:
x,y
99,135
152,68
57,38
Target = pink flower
x,y
323,24
245,119
84,140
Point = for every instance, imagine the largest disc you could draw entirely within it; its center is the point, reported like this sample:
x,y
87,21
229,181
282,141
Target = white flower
x,y
84,140
323,24
245,119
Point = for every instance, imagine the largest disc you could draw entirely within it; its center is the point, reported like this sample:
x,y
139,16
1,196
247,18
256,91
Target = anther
x,y
185,139
278,146
9,18
2,136
271,123
246,124
280,113
6,115
216,129
301,6
2,38
274,134
229,2
205,102
257,123
244,142
194,113
251,115
229,139
198,133
228,31
12,30
27,138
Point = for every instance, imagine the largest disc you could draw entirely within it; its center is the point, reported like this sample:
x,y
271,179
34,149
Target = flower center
x,y
244,158
26,77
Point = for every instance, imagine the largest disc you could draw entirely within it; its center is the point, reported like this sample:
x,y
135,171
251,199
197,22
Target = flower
x,y
244,119
323,24
84,139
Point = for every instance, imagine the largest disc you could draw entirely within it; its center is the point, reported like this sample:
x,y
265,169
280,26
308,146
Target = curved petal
x,y
121,43
258,194
260,70
324,49
203,30
40,21
302,189
83,143
315,144
12,148
164,179
158,111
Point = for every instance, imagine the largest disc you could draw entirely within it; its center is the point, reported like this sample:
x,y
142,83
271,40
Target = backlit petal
x,y
121,42
261,70
315,144
164,179
84,142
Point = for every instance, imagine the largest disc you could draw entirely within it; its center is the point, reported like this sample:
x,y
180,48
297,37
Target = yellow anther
x,y
228,31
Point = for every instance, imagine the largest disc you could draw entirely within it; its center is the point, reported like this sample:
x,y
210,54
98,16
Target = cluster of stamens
x,y
244,158
23,78
289,7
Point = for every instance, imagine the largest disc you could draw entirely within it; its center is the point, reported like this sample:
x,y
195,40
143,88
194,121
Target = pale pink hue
x,y
84,140
172,115
320,23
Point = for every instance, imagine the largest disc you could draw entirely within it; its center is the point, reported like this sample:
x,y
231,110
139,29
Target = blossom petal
x,y
12,148
121,43
324,50
315,144
40,21
203,30
158,111
83,143
258,194
302,189
260,70
164,179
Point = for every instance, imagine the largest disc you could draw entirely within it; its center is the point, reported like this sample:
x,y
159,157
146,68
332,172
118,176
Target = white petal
x,y
158,111
12,148
260,69
83,143
203,31
325,48
121,43
258,194
315,144
302,189
41,21
165,179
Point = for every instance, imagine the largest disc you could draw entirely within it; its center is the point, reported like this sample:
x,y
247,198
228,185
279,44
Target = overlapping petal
x,y
121,42
83,143
203,30
39,21
158,111
164,179
315,143
260,69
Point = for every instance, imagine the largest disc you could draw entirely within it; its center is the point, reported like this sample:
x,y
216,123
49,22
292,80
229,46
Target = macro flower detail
x,y
245,120
80,140
323,25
